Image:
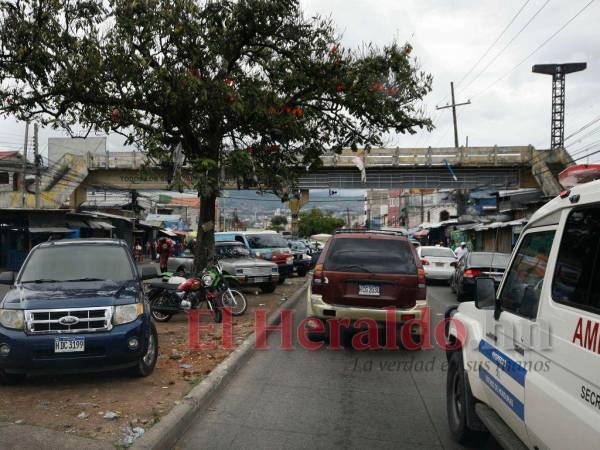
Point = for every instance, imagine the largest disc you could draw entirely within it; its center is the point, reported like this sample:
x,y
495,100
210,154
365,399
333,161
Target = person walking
x,y
165,250
462,250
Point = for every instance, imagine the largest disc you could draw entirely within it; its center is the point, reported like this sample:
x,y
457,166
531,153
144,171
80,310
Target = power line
x,y
507,45
587,125
538,48
481,58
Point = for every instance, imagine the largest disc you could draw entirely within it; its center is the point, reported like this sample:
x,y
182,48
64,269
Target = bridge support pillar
x,y
78,197
295,205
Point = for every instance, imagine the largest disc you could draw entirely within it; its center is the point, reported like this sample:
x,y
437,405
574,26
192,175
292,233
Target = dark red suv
x,y
361,274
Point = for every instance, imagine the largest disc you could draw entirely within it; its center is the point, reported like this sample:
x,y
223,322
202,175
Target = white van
x,y
524,361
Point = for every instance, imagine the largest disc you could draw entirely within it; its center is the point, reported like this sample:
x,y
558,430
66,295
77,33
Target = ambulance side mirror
x,y
485,293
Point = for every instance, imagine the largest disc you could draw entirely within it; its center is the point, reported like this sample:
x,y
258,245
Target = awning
x,y
50,230
99,225
77,223
168,232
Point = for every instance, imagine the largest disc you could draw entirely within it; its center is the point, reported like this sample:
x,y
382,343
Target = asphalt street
x,y
332,398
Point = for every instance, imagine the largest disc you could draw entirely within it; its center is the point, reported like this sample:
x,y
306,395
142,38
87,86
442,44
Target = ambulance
x,y
524,361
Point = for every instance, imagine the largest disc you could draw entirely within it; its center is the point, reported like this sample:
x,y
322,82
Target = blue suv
x,y
76,305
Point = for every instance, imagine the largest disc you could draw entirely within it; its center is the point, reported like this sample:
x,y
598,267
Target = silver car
x,y
439,262
240,268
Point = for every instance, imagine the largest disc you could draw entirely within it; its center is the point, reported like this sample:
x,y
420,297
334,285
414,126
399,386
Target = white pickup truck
x,y
524,362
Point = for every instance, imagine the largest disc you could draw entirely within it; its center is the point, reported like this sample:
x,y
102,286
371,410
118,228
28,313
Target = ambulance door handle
x,y
492,336
519,349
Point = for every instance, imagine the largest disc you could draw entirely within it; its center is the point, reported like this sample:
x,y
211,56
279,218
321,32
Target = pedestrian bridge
x,y
386,168
393,168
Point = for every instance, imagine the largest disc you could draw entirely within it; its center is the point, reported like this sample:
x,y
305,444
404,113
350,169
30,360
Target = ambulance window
x,y
523,285
577,274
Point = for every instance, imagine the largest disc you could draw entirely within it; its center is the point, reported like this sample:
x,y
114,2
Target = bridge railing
x,y
116,160
462,156
470,156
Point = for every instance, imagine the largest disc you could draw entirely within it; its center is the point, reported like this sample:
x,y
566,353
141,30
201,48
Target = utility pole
x,y
23,180
36,159
453,106
348,217
422,209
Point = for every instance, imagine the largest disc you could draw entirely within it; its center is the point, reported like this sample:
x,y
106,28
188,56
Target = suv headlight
x,y
289,260
12,318
127,313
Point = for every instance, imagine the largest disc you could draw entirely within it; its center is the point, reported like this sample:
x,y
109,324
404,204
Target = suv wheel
x,y
458,396
146,363
302,271
11,378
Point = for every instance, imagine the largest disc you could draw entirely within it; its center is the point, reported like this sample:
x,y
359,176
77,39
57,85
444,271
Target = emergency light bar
x,y
579,174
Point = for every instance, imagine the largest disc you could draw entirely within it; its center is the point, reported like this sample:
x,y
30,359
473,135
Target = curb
x,y
166,433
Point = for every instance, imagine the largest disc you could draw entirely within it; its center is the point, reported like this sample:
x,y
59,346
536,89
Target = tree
x,y
315,222
252,90
278,223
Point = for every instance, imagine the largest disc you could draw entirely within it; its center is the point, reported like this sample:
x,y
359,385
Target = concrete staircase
x,y
58,186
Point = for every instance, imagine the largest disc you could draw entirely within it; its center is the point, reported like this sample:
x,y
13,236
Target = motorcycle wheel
x,y
158,315
216,312
236,301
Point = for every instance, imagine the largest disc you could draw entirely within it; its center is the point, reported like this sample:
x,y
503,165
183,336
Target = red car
x,y
361,274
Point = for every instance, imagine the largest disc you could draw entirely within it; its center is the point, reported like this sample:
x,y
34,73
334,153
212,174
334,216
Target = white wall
x,y
57,147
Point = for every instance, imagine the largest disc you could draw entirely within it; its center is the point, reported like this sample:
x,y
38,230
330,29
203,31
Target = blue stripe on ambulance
x,y
503,362
505,395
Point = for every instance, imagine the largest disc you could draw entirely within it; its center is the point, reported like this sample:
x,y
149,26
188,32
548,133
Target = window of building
x,y
4,178
523,286
577,273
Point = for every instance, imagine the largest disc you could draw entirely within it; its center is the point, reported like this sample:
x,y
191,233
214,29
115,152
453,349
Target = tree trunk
x,y
205,241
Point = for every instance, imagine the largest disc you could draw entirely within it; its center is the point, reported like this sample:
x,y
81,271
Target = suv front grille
x,y
72,320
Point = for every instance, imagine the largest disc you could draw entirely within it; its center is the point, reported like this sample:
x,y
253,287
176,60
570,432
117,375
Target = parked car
x,y
532,377
439,262
267,245
303,260
76,305
473,265
241,268
361,273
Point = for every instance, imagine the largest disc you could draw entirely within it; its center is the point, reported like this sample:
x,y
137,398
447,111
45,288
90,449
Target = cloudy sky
x,y
510,105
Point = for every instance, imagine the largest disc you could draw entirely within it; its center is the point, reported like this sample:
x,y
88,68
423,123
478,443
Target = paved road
x,y
332,399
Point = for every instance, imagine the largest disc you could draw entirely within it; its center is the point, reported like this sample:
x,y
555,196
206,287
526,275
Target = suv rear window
x,y
370,255
497,260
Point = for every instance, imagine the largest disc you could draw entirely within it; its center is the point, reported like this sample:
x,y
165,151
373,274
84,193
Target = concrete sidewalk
x,y
26,437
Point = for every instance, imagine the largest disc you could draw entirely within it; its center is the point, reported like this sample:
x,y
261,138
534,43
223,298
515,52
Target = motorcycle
x,y
215,280
178,294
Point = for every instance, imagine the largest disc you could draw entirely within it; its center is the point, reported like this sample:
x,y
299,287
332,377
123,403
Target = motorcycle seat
x,y
163,285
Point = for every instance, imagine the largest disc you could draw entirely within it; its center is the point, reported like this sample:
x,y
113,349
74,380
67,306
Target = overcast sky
x,y
449,37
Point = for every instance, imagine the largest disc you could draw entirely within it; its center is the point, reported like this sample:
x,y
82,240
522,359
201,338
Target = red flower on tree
x,y
340,87
378,87
115,115
298,112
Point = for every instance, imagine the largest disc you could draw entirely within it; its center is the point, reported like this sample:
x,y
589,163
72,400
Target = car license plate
x,y
260,279
368,289
441,264
69,344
